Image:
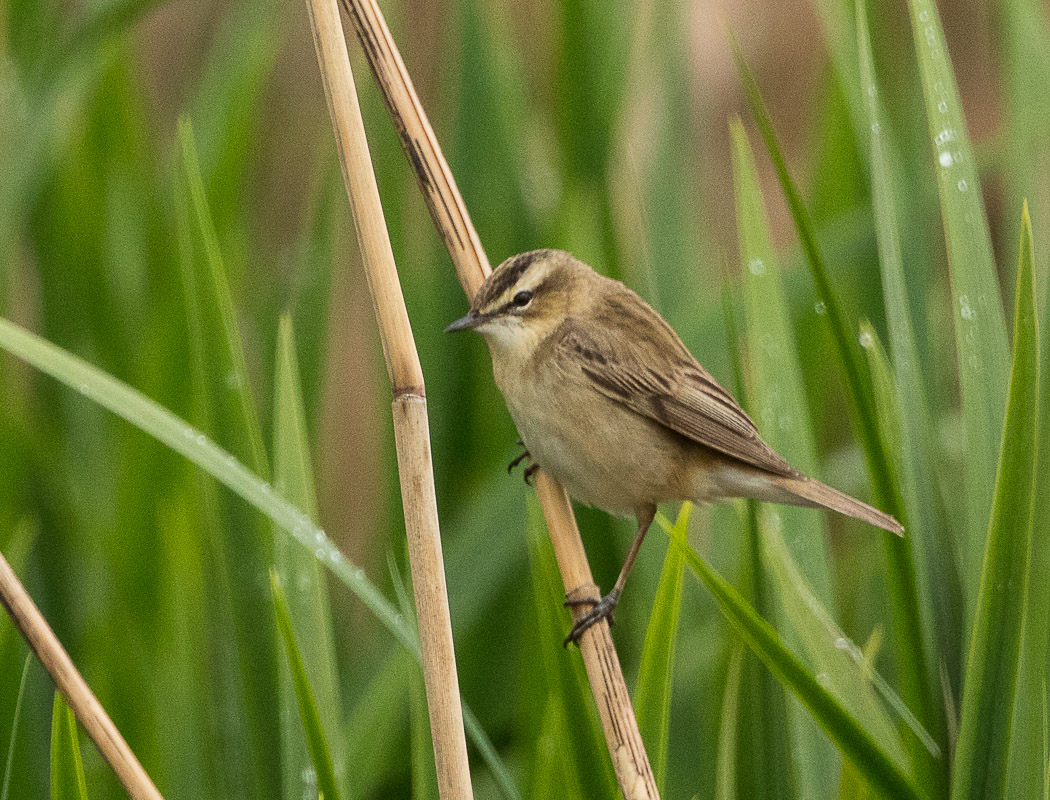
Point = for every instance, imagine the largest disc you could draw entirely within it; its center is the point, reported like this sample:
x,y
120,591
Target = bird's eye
x,y
522,299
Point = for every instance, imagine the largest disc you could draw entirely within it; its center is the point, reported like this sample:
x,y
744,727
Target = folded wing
x,y
650,371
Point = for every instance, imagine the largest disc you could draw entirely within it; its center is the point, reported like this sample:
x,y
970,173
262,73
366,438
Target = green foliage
x,y
982,755
17,718
652,693
67,767
777,402
857,742
316,741
980,327
307,603
163,254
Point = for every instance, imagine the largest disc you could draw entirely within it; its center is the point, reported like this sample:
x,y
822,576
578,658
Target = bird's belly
x,y
605,455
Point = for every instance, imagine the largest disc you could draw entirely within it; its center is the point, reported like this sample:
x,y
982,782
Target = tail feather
x,y
808,492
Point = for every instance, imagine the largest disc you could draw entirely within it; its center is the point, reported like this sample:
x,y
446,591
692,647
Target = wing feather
x,y
650,371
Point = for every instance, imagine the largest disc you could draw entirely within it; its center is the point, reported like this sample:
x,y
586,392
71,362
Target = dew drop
x,y
822,679
945,159
924,15
944,137
943,106
83,389
820,308
963,185
866,340
201,439
842,643
964,307
757,266
875,127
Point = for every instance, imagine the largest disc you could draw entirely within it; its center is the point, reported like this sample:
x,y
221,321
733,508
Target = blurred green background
x,y
597,127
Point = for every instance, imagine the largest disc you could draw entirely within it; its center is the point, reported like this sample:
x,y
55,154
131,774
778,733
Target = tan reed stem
x,y
411,431
452,221
629,758
35,630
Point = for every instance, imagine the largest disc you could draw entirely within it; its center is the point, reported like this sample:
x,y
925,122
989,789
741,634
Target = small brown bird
x,y
609,401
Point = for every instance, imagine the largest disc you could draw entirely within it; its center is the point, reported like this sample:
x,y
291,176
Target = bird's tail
x,y
814,494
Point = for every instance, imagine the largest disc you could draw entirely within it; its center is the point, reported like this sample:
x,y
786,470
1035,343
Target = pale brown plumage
x,y
609,401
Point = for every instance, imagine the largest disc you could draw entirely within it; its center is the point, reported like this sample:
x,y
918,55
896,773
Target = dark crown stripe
x,y
509,274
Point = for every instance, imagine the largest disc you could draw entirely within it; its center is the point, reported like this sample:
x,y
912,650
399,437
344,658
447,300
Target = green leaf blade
x,y
983,748
652,694
1030,751
67,766
778,402
316,740
915,668
308,602
876,765
933,550
15,722
977,309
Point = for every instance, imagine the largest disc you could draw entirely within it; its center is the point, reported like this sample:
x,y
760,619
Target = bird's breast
x,y
604,454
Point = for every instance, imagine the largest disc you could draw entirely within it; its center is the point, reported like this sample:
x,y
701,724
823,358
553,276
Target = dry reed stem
x,y
411,430
472,267
35,630
599,656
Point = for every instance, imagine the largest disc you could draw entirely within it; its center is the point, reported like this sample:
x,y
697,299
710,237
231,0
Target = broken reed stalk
x,y
472,267
38,634
411,431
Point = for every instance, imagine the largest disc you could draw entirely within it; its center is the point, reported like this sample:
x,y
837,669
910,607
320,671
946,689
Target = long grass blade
x,y
220,318
652,693
983,749
307,600
762,749
915,669
977,309
933,549
17,717
155,420
777,399
67,766
316,741
854,740
1031,737
242,541
725,764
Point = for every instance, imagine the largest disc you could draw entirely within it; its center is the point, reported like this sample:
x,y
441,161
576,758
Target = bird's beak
x,y
464,323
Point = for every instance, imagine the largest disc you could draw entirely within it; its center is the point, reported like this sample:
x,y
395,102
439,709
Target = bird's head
x,y
526,297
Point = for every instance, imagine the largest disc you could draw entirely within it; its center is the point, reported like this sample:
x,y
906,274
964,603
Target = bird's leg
x,y
518,458
603,608
530,470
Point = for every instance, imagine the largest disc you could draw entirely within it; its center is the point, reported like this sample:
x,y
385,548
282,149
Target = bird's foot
x,y
530,470
602,609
